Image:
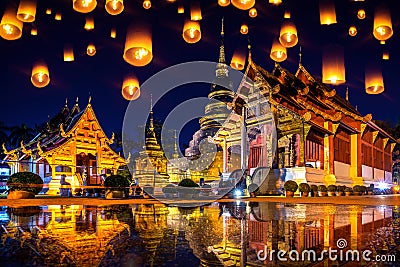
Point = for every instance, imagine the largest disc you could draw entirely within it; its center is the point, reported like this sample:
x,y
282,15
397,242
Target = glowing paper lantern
x,y
373,80
382,24
327,13
253,12
91,50
48,11
244,29
352,31
113,33
130,88
243,4
286,15
191,31
114,7
34,31
275,2
181,10
278,52
385,55
40,74
138,49
84,6
26,10
10,26
288,35
333,70
361,14
89,25
58,16
195,11
238,59
146,4
224,3
68,53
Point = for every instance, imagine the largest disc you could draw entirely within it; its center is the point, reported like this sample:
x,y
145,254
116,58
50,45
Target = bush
x,y
25,181
290,186
253,188
304,187
169,189
348,189
331,188
314,188
322,188
116,182
357,188
341,188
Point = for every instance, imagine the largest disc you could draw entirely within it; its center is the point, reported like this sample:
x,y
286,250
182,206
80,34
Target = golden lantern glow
x,y
333,70
286,15
138,49
278,52
114,7
238,59
40,74
195,11
58,16
382,24
385,55
68,53
191,31
10,26
373,80
84,6
253,12
89,25
275,2
327,13
243,4
352,31
26,10
382,42
113,33
34,31
181,10
130,88
91,50
48,11
361,14
244,29
224,3
288,35
146,4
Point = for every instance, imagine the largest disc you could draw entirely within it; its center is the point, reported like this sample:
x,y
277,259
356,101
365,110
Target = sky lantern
x,y
191,31
385,55
275,2
91,49
382,24
114,7
224,3
361,14
130,88
243,4
373,80
10,26
352,30
238,59
288,35
138,49
34,31
40,74
244,29
84,6
48,11
253,12
195,11
146,4
333,70
181,9
89,25
26,10
327,13
58,16
286,15
278,52
113,33
68,53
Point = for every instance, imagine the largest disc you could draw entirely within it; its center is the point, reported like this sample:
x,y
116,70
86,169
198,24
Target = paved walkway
x,y
390,200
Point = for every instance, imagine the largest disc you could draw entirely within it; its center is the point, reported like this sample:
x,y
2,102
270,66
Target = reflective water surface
x,y
221,234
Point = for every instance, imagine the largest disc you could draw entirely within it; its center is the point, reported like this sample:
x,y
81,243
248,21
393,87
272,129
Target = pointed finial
x,y
347,94
90,99
222,28
151,102
66,101
77,100
300,57
356,107
249,47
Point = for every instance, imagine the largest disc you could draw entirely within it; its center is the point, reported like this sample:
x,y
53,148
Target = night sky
x,y
101,75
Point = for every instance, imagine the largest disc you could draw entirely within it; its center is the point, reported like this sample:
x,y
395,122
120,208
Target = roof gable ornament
x,y
40,151
374,136
362,127
335,126
27,152
385,141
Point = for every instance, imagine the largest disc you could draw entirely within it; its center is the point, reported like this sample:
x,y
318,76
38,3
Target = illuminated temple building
x,y
73,144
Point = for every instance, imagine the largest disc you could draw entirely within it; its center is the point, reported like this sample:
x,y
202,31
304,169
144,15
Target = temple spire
x,y
222,68
151,125
347,94
300,57
249,48
175,155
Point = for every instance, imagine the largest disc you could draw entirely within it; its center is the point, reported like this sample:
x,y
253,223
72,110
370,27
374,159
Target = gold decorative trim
x,y
385,141
330,93
24,150
336,117
335,126
62,132
307,116
6,151
40,151
363,127
305,91
374,136
392,145
367,118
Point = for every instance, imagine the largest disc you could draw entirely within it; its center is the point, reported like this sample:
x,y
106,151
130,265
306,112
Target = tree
x,y
21,133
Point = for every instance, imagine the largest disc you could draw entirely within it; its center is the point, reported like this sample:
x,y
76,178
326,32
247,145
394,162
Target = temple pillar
x,y
355,226
303,137
355,154
329,156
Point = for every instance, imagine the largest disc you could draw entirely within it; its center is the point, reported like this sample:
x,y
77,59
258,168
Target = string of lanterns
x,y
138,49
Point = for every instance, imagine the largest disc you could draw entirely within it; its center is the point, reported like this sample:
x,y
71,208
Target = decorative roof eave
x,y
10,155
319,85
366,118
371,124
335,117
27,152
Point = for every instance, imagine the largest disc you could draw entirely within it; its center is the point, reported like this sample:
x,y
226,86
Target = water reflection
x,y
221,234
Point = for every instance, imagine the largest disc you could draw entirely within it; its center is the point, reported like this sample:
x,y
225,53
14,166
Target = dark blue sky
x,y
101,75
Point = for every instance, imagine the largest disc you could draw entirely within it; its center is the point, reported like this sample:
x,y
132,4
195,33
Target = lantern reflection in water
x,y
138,49
191,31
40,74
130,88
26,10
114,7
10,26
